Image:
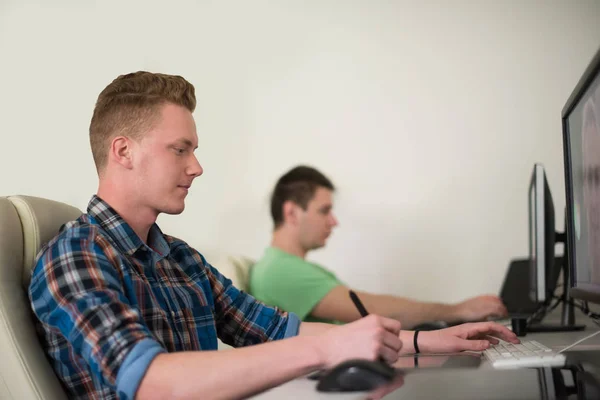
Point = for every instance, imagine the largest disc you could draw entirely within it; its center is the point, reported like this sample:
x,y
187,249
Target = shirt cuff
x,y
293,325
134,367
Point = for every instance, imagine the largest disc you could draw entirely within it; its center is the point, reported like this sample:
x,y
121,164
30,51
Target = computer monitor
x,y
544,266
581,140
543,275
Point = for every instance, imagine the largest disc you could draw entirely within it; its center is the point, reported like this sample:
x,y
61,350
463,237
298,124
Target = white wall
x,y
428,115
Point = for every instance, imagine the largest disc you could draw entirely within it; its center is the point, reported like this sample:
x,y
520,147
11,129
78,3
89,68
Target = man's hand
x,y
370,338
476,336
480,308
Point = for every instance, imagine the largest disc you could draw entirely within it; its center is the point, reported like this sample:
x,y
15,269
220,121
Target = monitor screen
x,y
581,137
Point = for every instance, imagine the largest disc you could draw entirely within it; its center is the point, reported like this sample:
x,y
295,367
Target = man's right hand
x,y
480,308
371,338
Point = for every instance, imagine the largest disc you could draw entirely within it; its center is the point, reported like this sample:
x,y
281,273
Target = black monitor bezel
x,y
537,237
580,89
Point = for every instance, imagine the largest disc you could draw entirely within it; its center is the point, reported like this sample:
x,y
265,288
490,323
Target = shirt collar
x,y
123,235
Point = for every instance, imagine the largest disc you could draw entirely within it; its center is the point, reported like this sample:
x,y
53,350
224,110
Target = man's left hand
x,y
476,336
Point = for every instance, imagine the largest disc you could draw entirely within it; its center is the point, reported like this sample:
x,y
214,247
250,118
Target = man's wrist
x,y
318,358
416,341
454,313
426,341
407,342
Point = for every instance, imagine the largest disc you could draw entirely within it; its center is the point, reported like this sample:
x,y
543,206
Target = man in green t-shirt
x,y
301,207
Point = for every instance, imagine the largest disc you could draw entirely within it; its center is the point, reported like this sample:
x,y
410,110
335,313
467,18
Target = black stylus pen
x,y
359,305
363,312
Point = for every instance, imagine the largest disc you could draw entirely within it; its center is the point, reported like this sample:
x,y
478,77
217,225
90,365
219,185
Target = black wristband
x,y
415,344
416,358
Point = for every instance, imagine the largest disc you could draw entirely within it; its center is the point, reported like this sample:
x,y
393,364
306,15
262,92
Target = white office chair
x,y
236,268
26,223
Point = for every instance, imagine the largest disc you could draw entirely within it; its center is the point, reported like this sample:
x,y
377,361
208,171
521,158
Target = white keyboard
x,y
528,354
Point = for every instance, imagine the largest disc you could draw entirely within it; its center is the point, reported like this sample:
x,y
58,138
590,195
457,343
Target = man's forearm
x,y
408,312
230,373
313,328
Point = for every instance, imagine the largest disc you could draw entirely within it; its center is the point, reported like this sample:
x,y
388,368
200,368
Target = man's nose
x,y
333,221
195,169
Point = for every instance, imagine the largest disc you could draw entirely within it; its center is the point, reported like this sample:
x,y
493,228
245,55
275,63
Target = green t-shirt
x,y
286,281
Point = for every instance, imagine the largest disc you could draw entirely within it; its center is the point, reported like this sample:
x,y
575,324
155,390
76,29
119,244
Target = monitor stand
x,y
520,327
566,324
567,321
554,328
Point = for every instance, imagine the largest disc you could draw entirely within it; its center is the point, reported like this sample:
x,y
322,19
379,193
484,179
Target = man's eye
x,y
179,151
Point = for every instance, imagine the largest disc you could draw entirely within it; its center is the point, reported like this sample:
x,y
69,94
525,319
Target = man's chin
x,y
319,245
324,242
174,210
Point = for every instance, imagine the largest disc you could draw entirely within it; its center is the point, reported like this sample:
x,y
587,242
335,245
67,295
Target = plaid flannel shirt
x,y
107,304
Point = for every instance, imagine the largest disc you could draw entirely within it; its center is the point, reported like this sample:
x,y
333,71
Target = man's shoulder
x,y
274,260
80,229
73,236
74,240
277,264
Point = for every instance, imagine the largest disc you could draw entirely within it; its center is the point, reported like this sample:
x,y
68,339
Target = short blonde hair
x,y
130,105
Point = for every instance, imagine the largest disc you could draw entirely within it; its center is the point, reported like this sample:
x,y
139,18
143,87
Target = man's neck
x,y
140,219
284,242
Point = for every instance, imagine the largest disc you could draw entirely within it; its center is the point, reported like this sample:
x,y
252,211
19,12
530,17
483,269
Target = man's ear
x,y
121,151
291,212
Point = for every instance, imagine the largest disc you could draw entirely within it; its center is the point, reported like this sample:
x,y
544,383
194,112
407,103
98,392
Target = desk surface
x,y
462,383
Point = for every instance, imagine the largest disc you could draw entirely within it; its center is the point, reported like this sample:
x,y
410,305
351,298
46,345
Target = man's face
x,y
317,221
164,162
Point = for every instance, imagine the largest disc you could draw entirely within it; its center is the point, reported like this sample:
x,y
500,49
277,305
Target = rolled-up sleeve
x,y
75,289
134,367
241,319
293,326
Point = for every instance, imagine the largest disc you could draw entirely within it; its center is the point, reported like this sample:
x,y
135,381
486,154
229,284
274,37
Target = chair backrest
x,y
236,268
26,223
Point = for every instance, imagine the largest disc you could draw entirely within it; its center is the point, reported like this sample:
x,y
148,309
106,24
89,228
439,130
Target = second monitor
x,y
544,266
542,239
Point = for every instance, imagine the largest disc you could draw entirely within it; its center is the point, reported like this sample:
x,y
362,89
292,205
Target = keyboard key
x,y
540,346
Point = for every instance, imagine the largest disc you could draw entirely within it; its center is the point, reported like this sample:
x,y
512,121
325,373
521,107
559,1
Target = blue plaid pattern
x,y
106,302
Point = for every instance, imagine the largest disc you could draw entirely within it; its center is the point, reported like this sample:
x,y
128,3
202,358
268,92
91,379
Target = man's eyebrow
x,y
186,142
